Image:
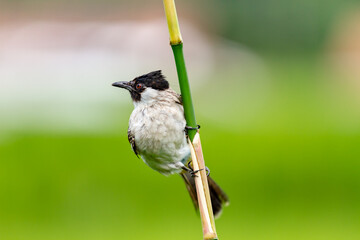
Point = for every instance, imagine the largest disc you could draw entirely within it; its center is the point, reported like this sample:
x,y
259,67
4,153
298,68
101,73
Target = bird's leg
x,y
187,128
192,172
187,169
206,169
189,165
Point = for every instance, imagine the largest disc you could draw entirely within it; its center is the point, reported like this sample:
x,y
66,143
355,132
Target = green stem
x,y
202,188
184,88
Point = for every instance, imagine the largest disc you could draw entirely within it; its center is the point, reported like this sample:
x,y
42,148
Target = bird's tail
x,y
217,195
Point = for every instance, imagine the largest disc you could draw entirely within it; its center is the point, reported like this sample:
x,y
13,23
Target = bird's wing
x,y
177,98
131,139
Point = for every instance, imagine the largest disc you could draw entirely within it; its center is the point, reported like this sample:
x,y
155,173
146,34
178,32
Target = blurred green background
x,y
276,91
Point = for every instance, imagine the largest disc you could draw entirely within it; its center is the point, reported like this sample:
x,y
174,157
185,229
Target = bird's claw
x,y
192,172
187,128
207,171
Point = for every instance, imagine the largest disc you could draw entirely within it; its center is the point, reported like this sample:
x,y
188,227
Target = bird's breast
x,y
159,135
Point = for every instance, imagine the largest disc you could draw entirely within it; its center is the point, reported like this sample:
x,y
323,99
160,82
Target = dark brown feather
x,y
179,99
131,139
217,195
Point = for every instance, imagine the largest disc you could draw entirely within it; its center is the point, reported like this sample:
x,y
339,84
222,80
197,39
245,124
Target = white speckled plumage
x,y
157,124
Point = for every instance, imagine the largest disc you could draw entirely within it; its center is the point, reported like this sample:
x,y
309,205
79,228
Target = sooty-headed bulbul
x,y
157,132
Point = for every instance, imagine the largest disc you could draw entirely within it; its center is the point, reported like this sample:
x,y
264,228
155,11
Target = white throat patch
x,y
148,96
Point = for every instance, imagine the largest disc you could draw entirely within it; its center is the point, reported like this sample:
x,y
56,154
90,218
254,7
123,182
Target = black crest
x,y
154,80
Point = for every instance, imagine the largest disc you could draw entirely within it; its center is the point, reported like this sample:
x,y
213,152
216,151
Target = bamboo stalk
x,y
173,23
202,187
203,195
201,163
177,47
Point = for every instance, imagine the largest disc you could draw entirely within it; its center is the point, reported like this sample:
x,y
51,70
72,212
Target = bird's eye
x,y
138,86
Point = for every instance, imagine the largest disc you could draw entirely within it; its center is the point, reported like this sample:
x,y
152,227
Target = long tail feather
x,y
217,195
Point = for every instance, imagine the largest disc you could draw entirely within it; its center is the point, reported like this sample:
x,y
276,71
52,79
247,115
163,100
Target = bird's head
x,y
145,87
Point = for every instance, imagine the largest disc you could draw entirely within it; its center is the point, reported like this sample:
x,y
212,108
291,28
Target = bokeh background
x,y
276,87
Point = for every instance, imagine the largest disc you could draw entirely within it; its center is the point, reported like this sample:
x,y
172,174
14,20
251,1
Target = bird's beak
x,y
123,84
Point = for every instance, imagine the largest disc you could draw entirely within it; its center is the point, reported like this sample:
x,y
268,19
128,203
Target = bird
x,y
157,133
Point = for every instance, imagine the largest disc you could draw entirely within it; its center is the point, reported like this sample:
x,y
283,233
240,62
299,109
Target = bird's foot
x,y
187,128
207,171
192,172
